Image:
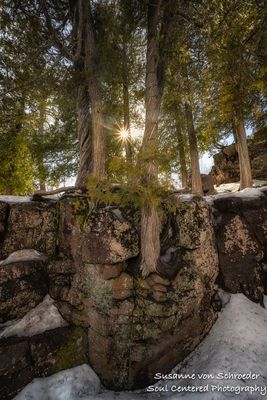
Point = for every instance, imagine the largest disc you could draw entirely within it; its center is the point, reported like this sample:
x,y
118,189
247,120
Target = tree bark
x,y
150,219
40,166
242,149
89,101
83,99
181,150
92,71
126,103
84,135
194,156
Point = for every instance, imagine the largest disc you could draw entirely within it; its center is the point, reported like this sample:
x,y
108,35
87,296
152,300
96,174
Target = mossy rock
x,y
73,350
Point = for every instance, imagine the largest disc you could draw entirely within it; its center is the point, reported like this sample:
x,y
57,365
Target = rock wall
x,y
241,236
137,327
226,167
126,327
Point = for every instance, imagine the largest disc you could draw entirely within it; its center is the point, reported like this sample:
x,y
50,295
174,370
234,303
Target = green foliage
x,y
37,114
216,59
136,192
16,172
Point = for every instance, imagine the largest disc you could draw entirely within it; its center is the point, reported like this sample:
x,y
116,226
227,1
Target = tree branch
x,y
53,33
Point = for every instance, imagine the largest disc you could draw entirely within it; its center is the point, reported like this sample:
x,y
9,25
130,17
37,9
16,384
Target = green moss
x,y
82,210
66,354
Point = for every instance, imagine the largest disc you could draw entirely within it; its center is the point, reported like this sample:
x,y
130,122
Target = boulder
x,y
23,283
96,236
24,358
134,324
242,243
30,225
122,287
226,165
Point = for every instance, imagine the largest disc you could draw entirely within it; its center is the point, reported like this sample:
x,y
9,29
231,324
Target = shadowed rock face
x,y
129,328
241,235
23,285
24,358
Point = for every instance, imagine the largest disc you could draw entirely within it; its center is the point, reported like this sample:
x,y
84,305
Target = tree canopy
x,y
75,78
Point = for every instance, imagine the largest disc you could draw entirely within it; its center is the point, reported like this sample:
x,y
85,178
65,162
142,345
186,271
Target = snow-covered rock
x,y
75,383
237,344
231,190
24,255
40,319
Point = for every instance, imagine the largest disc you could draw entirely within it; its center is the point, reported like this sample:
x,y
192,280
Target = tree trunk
x,y
181,150
126,103
194,156
150,219
92,71
92,145
84,135
83,100
243,155
40,161
126,120
42,185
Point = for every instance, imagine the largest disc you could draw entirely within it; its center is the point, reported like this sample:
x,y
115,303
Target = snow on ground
x,y
232,190
245,194
26,199
70,384
186,197
15,199
237,343
43,317
234,186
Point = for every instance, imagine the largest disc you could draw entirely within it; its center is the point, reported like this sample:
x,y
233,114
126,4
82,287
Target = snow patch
x,y
186,197
75,383
234,186
15,199
42,318
237,343
24,255
245,194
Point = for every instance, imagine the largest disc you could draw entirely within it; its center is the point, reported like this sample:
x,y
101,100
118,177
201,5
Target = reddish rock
x,y
159,296
154,279
111,271
159,288
122,287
